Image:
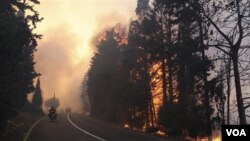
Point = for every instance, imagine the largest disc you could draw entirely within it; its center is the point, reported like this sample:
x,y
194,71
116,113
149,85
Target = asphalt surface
x,y
82,128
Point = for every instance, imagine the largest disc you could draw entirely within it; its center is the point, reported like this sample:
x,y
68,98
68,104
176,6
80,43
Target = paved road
x,y
81,128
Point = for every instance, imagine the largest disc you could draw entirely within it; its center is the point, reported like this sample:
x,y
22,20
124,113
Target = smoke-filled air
x,y
65,51
151,70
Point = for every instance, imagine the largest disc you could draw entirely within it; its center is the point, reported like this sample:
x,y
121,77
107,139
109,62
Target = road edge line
x,y
31,128
86,132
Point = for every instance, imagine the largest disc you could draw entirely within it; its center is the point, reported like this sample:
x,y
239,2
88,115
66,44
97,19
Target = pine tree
x,y
106,80
142,5
37,100
17,47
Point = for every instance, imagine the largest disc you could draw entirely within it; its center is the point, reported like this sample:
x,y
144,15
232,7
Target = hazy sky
x,y
65,50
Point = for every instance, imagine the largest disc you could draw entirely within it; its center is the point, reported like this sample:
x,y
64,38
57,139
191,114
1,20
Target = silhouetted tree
x,y
106,81
17,46
137,64
181,54
37,99
142,6
229,30
85,98
168,51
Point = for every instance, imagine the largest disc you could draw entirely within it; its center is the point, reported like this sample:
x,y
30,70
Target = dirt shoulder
x,y
19,126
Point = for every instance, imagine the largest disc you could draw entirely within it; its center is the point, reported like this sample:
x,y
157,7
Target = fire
x,y
216,135
126,126
217,139
159,132
119,34
156,92
101,37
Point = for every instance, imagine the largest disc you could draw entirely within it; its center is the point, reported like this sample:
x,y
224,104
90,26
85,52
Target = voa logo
x,y
236,132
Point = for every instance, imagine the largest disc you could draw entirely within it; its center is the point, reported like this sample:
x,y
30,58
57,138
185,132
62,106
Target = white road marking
x,y
86,132
31,128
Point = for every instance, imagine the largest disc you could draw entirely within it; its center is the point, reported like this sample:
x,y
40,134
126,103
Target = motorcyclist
x,y
52,112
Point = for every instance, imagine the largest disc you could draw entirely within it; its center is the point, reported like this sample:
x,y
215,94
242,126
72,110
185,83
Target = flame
x,y
159,132
101,37
126,126
157,90
217,139
217,135
119,34
213,139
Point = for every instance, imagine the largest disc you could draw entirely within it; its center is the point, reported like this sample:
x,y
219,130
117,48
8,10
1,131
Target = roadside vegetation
x,y
174,69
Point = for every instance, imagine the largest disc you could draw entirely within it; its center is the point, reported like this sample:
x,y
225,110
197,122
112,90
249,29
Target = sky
x,y
64,53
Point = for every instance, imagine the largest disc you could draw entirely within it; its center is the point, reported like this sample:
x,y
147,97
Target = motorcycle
x,y
52,116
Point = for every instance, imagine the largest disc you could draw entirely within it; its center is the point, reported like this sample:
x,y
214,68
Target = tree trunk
x,y
206,99
204,77
240,104
228,89
164,83
163,67
182,81
151,108
148,95
169,59
222,101
152,111
170,80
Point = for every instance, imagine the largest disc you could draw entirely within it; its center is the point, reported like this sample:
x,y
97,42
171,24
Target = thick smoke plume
x,y
64,53
61,73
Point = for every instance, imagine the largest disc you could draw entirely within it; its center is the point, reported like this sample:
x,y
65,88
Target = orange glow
x,y
213,139
126,126
217,136
157,91
161,133
217,139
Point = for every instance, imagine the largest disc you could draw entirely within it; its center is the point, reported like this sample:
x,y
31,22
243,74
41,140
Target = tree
x,y
230,27
183,54
17,46
166,34
167,53
106,79
37,99
138,66
142,5
85,98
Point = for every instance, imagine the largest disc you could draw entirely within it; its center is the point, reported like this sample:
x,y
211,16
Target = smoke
x,y
63,60
69,30
55,60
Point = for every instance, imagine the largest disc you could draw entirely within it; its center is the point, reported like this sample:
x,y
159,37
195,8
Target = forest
x,y
182,67
18,43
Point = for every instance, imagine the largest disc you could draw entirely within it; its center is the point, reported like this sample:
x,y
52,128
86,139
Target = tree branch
x,y
241,32
218,29
221,49
247,106
245,98
245,47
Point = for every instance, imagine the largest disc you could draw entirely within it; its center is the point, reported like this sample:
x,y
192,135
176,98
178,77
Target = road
x,y
82,128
